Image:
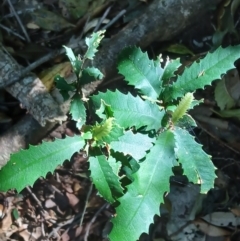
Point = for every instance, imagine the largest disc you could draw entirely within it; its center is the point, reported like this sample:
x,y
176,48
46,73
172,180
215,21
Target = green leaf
x,y
102,130
104,178
104,110
203,72
169,70
131,144
141,202
64,87
75,62
114,133
132,167
182,108
78,111
15,214
196,164
26,166
115,165
89,75
186,122
222,96
127,109
93,43
70,54
140,72
179,49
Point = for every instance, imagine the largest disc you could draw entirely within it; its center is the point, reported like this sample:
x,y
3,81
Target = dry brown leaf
x,y
211,230
47,76
222,219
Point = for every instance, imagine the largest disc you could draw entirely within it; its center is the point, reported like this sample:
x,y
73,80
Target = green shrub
x,y
139,138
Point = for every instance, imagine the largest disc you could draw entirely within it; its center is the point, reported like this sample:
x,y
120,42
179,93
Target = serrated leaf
x,y
114,133
141,202
89,75
131,111
130,166
131,144
103,129
115,165
78,111
140,71
182,108
26,166
186,122
169,70
202,73
105,180
93,43
104,110
70,54
64,87
196,164
75,62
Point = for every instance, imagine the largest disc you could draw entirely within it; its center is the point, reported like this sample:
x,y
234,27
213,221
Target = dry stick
x,y
41,61
12,32
86,202
19,21
114,20
80,36
101,19
34,197
93,220
9,15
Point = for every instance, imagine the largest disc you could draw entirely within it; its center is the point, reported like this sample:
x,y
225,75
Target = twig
x,y
119,15
85,206
19,21
10,15
12,32
101,19
39,62
34,197
84,28
93,220
43,230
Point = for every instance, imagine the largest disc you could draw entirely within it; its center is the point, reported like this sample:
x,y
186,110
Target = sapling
x,y
133,142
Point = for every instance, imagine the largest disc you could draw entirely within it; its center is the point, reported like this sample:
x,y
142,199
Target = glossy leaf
x,y
131,144
202,73
26,166
169,70
140,71
196,164
104,178
93,43
89,75
78,111
141,202
127,109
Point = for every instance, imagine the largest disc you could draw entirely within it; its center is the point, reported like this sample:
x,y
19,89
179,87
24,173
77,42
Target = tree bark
x,y
162,21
